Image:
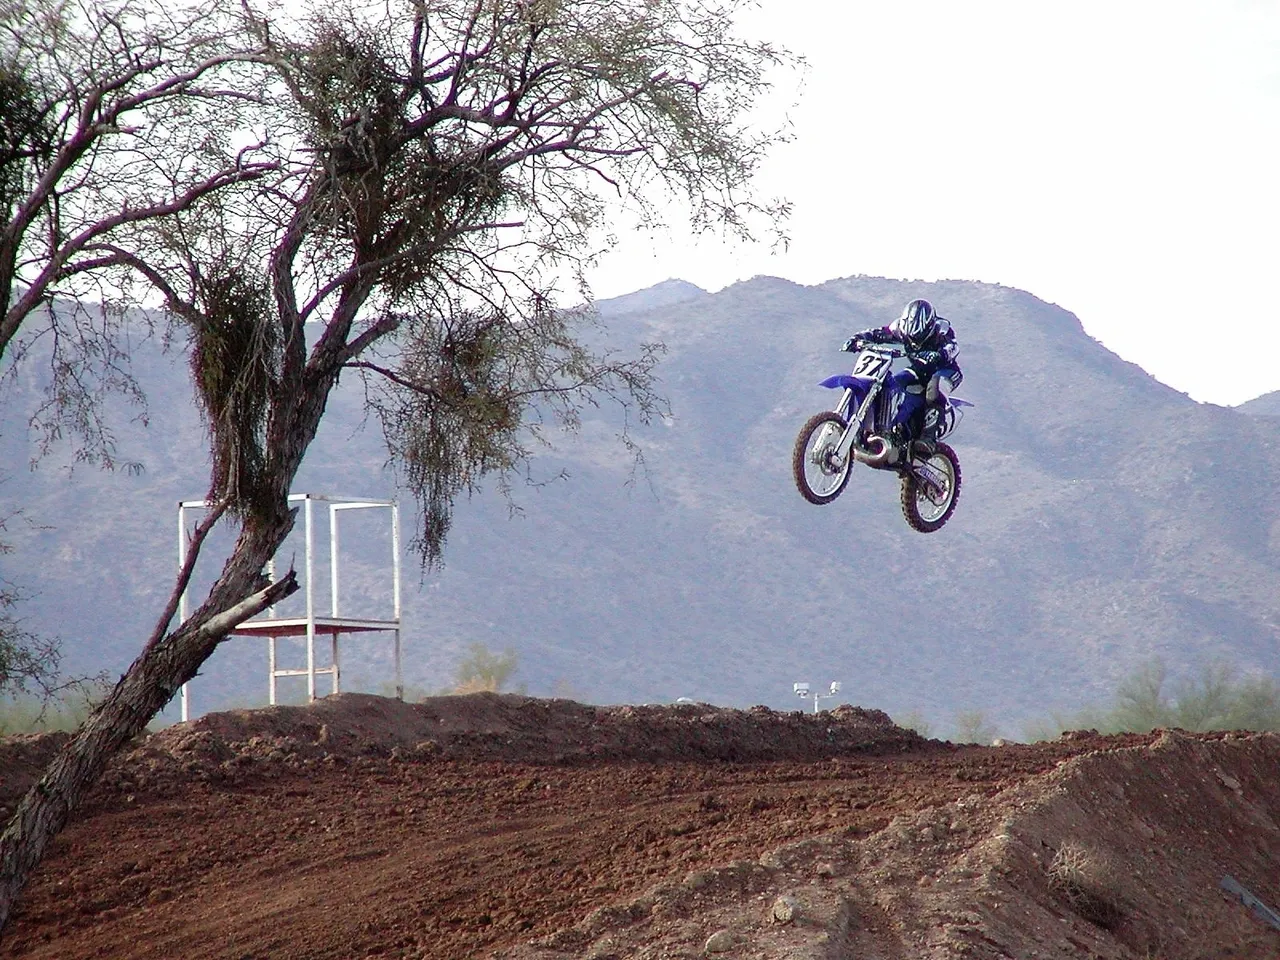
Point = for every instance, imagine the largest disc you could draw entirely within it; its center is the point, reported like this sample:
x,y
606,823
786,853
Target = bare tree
x,y
113,113
441,172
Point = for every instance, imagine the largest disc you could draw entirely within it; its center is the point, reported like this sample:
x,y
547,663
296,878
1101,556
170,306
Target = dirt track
x,y
364,827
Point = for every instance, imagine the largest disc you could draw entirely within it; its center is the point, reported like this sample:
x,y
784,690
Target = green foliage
x,y
483,669
482,387
460,162
234,357
915,720
24,133
1213,699
29,713
115,115
26,660
971,726
1140,702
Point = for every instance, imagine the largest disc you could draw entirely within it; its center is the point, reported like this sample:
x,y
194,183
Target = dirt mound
x,y
493,726
513,827
22,761
1114,855
480,726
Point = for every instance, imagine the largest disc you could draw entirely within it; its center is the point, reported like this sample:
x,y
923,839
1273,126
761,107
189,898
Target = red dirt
x,y
506,826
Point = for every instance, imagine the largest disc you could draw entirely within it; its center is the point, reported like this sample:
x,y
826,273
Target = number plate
x,y
870,365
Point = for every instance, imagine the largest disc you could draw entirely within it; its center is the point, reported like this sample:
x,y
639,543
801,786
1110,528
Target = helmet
x,y
917,321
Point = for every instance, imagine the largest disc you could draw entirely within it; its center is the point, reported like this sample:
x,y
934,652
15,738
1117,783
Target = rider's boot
x,y
925,430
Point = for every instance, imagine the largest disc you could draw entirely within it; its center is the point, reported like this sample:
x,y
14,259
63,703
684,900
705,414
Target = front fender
x,y
857,387
843,381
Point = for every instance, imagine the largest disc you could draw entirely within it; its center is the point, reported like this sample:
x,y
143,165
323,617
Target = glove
x,y
852,345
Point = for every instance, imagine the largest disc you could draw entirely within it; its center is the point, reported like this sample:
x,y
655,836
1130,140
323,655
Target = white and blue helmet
x,y
918,321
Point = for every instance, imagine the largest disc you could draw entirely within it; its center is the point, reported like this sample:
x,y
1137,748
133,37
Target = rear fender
x,y
951,414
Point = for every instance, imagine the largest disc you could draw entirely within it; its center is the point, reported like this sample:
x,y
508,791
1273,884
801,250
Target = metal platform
x,y
297,626
312,624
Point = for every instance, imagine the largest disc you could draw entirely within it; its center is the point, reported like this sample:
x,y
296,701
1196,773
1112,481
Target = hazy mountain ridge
x,y
1104,517
1267,405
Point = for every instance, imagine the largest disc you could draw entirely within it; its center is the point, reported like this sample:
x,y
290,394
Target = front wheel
x,y
931,489
819,473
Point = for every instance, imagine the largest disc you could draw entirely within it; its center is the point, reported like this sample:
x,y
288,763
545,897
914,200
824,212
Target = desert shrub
x,y
28,662
65,711
1216,698
916,721
1086,879
482,670
972,727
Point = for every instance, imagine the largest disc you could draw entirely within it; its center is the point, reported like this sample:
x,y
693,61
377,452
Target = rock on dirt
x,y
525,829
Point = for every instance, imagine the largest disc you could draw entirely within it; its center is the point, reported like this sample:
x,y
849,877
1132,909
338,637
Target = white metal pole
x,y
271,669
335,661
182,600
311,605
399,678
333,560
395,590
395,560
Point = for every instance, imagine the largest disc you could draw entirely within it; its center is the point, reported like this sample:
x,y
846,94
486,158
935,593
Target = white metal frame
x,y
273,627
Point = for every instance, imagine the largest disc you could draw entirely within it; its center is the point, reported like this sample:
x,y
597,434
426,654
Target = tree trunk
x,y
150,682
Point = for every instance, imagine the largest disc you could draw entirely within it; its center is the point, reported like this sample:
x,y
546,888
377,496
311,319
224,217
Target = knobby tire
x,y
911,490
798,459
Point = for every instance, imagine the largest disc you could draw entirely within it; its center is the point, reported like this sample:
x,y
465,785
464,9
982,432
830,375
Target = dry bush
x,y
1087,879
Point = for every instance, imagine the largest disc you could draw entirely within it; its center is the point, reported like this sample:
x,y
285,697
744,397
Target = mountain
x,y
1104,519
1267,405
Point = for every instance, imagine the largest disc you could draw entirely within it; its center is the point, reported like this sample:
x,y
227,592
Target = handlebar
x,y
885,348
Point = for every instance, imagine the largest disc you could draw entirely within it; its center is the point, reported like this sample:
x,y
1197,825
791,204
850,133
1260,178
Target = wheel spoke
x,y
819,476
934,493
930,490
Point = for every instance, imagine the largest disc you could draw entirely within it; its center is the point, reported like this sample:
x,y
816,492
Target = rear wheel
x,y
819,476
931,489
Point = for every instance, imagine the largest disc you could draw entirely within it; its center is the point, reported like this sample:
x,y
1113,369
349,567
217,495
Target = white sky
x,y
1118,158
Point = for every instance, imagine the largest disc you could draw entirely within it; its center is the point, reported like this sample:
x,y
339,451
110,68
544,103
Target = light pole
x,y
802,691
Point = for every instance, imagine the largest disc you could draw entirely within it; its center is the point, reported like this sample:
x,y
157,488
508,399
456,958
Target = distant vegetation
x,y
968,726
24,712
916,721
972,726
26,661
482,669
1217,698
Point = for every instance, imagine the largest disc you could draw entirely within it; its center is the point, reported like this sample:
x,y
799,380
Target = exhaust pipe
x,y
878,452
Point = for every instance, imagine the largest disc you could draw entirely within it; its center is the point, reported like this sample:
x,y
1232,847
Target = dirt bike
x,y
871,425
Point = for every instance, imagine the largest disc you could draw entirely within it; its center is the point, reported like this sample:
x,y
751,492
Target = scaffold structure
x,y
312,623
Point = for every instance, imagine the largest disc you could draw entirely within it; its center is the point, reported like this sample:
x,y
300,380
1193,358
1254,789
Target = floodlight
x,y
802,691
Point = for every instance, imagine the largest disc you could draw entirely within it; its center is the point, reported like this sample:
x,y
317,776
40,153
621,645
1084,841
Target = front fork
x,y
855,422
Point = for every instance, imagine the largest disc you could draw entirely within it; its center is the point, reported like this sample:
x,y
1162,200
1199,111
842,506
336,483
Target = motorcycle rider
x,y
931,349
